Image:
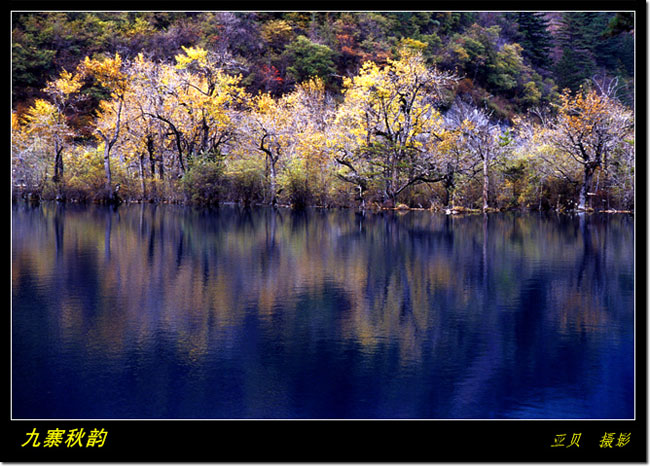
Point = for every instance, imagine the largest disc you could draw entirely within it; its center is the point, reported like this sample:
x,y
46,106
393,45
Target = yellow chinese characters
x,y
75,438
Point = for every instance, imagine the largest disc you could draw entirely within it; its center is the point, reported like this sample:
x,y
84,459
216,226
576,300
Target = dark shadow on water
x,y
256,312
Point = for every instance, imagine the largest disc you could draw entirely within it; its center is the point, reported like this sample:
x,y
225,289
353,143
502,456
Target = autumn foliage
x,y
401,129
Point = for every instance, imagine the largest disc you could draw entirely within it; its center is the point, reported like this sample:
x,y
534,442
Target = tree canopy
x,y
325,108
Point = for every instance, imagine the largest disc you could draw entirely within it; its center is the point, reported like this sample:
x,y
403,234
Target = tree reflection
x,y
474,306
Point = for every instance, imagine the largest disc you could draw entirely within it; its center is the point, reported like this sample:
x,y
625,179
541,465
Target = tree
x,y
308,59
30,65
306,176
110,75
507,68
141,132
289,131
267,130
43,122
590,128
456,160
62,92
276,33
578,38
197,102
387,122
30,140
211,99
621,23
160,92
535,38
46,123
473,51
484,140
181,105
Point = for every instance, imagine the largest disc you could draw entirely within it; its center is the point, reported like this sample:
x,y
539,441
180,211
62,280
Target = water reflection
x,y
170,312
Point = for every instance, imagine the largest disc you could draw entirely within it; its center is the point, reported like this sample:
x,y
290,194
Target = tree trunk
x,y
389,199
108,145
142,184
274,199
270,162
449,185
107,169
152,158
584,189
486,181
181,165
394,186
58,162
161,169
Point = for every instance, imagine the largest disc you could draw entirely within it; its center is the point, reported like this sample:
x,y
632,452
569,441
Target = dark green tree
x,y
621,22
308,59
535,39
588,49
576,37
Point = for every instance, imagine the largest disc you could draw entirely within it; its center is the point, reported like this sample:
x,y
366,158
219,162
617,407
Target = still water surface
x,y
169,312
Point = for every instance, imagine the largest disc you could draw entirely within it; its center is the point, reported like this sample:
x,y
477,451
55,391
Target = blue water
x,y
168,312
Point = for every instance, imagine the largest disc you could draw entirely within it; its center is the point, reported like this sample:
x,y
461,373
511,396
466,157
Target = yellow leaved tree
x,y
590,130
389,124
291,133
109,73
44,132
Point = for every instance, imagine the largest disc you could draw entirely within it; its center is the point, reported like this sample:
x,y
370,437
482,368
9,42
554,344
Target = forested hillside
x,y
426,109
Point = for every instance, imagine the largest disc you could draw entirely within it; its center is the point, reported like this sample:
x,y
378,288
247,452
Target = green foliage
x,y
621,23
587,44
29,67
508,66
245,179
535,38
295,182
532,95
303,184
83,178
274,50
574,68
309,59
474,50
203,182
516,180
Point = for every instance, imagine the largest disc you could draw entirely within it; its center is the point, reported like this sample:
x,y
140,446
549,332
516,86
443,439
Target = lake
x,y
169,312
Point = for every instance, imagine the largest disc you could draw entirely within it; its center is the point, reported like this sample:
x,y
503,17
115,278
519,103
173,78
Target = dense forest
x,y
463,110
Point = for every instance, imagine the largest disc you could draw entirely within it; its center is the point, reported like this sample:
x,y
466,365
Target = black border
x,y
367,440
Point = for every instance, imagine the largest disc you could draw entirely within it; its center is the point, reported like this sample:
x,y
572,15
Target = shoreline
x,y
400,208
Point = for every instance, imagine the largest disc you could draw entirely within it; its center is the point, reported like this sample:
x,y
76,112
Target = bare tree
x,y
590,128
482,139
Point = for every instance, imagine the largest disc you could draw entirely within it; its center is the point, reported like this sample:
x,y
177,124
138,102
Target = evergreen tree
x,y
535,39
309,59
573,68
589,49
620,23
576,37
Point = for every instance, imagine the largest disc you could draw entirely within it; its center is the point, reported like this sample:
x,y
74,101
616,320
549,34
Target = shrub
x,y
245,179
203,182
295,183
